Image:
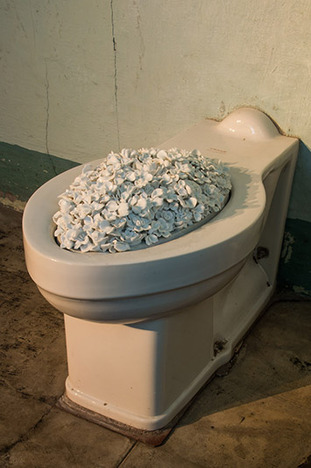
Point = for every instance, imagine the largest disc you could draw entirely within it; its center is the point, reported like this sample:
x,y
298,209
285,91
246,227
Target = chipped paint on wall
x,y
295,263
287,249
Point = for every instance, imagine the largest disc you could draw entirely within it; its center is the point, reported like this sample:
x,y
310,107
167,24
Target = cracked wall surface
x,y
57,94
114,47
80,79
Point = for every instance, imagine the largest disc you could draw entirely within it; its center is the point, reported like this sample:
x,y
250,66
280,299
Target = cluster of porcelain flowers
x,y
138,197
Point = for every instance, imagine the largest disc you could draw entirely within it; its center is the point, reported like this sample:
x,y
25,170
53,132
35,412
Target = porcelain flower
x,y
138,197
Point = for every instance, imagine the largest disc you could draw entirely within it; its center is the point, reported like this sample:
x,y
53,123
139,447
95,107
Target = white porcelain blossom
x,y
136,198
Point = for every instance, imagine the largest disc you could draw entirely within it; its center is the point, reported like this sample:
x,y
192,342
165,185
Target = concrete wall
x,y
82,77
79,75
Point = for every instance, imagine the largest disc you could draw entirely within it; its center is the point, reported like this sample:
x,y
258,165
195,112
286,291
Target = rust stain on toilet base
x,y
153,438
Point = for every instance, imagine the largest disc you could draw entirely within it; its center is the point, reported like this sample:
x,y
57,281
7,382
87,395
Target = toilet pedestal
x,y
140,374
143,374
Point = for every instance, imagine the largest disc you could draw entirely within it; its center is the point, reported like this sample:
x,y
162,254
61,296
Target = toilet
x,y
146,329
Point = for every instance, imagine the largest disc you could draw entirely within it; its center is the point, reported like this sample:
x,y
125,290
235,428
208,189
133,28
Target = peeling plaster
x,y
11,201
301,290
287,250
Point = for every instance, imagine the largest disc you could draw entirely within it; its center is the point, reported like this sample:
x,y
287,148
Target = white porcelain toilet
x,y
146,329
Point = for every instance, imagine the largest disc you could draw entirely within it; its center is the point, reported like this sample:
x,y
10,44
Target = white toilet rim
x,y
205,252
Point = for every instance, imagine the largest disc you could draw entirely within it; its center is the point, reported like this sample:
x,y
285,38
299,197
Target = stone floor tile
x,y
143,456
19,413
255,435
299,398
274,358
11,243
257,414
65,441
252,416
32,340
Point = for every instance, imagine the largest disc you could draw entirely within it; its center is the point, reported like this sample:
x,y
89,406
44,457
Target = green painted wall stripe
x,y
22,171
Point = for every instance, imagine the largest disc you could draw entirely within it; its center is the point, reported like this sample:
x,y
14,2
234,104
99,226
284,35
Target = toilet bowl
x,y
145,329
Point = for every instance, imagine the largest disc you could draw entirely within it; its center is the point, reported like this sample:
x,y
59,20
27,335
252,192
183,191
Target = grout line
x,y
126,454
6,449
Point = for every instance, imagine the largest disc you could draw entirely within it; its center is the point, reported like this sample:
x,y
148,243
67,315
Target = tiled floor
x,y
256,415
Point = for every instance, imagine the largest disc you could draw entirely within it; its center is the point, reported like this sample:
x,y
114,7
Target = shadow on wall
x,y
300,206
295,263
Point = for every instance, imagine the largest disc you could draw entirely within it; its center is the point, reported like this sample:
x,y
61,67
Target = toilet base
x,y
143,374
153,438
